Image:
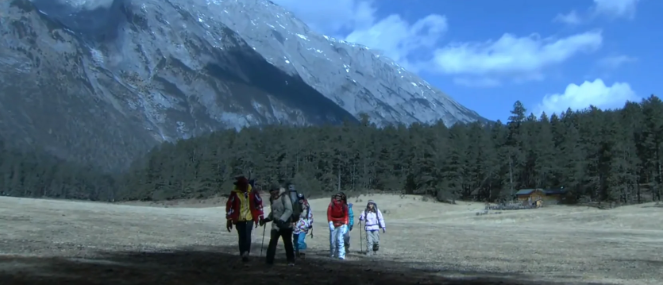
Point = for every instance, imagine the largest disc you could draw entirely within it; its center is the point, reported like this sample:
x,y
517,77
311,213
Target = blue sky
x,y
486,54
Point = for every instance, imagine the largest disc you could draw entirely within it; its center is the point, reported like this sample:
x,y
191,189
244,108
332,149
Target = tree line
x,y
597,155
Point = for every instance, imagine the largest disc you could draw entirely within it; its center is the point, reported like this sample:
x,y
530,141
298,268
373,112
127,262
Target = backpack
x,y
296,205
338,212
308,208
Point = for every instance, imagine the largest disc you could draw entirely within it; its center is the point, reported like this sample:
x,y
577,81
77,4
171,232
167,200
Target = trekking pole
x,y
262,245
361,239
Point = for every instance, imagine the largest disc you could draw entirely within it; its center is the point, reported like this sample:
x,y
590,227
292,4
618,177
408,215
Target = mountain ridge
x,y
104,81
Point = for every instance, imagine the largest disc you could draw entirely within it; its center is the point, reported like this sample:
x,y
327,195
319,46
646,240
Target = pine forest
x,y
596,155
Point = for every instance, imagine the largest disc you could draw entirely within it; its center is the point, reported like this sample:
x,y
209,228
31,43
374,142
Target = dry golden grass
x,y
557,243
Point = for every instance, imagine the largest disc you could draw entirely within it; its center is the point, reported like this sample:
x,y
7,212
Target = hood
x,y
240,191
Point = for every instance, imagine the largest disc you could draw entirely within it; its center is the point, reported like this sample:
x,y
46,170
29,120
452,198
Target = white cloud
x,y
331,16
478,64
614,62
608,8
355,21
616,8
588,93
572,18
516,57
398,39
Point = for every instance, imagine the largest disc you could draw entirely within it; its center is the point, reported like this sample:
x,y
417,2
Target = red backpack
x,y
338,212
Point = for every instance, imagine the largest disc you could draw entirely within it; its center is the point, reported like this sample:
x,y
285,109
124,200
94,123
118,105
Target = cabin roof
x,y
555,191
527,191
546,191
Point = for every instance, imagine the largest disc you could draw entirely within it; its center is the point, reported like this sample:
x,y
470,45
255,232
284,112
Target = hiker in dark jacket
x,y
243,209
281,210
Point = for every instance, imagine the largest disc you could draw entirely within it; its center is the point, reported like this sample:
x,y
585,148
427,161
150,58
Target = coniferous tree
x,y
613,156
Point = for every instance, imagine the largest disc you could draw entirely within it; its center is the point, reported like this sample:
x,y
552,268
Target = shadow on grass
x,y
218,265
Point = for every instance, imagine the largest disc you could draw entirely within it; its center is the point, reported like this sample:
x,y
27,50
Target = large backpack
x,y
296,205
338,212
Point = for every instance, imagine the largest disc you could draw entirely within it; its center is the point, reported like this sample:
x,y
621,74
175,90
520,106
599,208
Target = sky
x,y
549,54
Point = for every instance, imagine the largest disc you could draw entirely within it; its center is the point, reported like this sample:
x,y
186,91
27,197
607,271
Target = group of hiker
x,y
292,220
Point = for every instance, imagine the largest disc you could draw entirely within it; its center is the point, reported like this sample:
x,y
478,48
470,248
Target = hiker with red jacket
x,y
243,209
338,218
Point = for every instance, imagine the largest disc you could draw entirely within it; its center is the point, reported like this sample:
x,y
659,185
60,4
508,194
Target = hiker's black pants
x,y
244,234
286,236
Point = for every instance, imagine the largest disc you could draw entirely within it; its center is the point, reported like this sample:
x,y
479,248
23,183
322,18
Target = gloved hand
x,y
384,230
331,226
310,227
229,225
350,228
264,221
280,224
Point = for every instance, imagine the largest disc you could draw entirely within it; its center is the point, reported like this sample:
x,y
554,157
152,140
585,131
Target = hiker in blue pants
x,y
302,227
351,218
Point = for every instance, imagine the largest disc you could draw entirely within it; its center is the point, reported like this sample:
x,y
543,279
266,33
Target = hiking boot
x,y
291,263
302,255
245,257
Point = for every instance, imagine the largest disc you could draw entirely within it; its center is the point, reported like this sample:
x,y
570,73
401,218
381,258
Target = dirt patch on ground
x,y
65,242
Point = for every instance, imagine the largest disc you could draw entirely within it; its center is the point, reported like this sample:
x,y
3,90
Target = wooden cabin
x,y
554,195
535,194
550,196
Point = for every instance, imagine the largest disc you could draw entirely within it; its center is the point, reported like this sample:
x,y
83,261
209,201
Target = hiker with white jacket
x,y
374,221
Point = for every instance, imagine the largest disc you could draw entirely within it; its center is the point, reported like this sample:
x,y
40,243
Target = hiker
x,y
296,210
243,209
337,216
351,219
374,222
302,227
280,216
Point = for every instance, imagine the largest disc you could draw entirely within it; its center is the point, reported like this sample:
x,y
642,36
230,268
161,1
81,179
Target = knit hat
x,y
274,187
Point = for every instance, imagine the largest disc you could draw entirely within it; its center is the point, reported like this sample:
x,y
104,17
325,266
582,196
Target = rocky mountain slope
x,y
102,81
